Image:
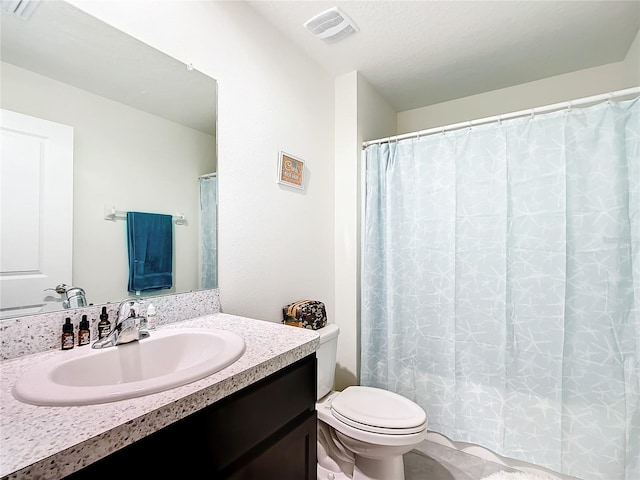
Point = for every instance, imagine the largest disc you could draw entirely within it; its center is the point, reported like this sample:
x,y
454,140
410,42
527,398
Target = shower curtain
x,y
208,225
501,285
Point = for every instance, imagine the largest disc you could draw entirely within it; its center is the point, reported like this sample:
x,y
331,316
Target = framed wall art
x,y
290,170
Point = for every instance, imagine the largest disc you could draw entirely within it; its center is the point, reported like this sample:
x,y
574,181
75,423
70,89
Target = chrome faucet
x,y
127,326
74,297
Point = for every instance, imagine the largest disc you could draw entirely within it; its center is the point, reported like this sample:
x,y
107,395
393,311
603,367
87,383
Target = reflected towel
x,y
150,248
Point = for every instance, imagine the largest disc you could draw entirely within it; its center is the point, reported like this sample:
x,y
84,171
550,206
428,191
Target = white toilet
x,y
362,431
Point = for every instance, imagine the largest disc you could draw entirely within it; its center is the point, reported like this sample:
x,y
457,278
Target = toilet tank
x,y
326,355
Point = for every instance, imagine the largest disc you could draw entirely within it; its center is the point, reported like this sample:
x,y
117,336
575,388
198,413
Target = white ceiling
x,y
419,53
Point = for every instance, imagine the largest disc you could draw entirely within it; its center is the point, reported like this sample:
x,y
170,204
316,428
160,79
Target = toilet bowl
x,y
363,432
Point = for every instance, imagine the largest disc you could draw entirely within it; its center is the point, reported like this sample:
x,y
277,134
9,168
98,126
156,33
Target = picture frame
x,y
290,170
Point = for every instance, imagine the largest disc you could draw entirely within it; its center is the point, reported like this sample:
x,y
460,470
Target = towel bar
x,y
110,213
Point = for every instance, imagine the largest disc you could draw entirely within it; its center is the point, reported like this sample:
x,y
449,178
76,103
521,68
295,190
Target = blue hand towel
x,y
150,247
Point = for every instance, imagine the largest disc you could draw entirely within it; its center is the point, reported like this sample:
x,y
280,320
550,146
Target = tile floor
x,y
432,461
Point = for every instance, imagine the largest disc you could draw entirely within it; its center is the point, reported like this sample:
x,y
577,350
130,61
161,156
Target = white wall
x,y
360,114
346,235
376,118
122,157
275,243
584,83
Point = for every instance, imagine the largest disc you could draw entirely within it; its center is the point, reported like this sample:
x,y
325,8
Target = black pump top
x,y
84,323
67,327
104,315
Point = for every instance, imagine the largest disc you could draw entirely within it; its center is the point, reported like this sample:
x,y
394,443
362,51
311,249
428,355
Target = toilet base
x,y
367,469
326,474
378,469
343,458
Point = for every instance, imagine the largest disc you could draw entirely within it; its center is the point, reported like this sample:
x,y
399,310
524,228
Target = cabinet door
x,y
292,457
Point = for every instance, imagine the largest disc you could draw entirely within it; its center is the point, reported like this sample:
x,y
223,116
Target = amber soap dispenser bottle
x,y
68,336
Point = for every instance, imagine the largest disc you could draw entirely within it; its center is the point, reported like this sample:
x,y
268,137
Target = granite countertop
x,y
51,442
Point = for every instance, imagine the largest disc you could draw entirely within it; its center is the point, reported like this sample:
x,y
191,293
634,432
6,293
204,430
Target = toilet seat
x,y
377,439
378,411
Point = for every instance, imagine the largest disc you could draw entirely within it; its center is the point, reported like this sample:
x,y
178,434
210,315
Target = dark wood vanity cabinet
x,y
264,431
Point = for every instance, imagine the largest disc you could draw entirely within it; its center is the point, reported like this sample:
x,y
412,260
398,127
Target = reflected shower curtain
x,y
208,225
501,285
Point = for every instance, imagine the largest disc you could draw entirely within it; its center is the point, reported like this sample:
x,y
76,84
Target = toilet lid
x,y
377,410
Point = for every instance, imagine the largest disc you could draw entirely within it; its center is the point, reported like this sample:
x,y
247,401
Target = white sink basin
x,y
167,359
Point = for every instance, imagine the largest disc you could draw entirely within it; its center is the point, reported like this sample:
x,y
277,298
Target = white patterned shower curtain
x,y
208,235
501,285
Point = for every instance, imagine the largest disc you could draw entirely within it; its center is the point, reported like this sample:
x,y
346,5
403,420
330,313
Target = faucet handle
x,y
130,307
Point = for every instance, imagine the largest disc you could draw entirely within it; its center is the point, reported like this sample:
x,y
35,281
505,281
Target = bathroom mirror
x,y
144,139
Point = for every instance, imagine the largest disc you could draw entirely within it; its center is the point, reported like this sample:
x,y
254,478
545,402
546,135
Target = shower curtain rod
x,y
209,175
497,118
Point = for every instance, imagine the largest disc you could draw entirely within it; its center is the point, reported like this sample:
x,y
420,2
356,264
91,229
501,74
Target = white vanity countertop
x,y
51,442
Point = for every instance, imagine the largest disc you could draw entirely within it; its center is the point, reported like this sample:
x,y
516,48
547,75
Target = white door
x,y
36,213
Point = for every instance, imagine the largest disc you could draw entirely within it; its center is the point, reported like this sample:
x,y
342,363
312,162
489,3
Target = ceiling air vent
x,y
332,25
19,8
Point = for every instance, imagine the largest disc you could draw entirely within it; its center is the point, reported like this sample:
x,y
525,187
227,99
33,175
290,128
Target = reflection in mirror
x,y
94,124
